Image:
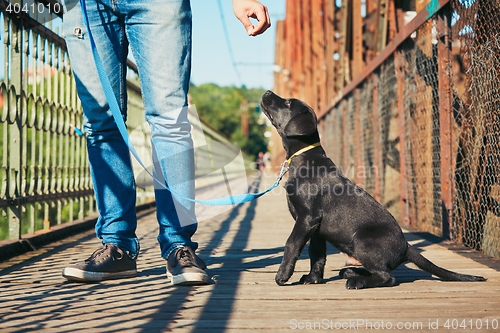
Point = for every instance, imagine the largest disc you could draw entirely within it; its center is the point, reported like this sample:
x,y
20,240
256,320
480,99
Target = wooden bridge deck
x,y
243,248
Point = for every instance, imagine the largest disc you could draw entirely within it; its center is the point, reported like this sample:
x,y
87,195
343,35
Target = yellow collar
x,y
303,150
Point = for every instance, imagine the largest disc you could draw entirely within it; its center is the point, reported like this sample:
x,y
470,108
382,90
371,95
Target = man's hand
x,y
244,9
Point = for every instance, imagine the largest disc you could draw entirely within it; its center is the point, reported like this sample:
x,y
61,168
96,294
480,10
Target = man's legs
x,y
164,94
109,157
160,37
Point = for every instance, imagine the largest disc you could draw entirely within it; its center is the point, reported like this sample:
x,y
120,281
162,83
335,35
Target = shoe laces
x,y
101,251
185,258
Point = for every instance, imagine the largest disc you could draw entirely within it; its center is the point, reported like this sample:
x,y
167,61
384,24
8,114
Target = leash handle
x,y
117,115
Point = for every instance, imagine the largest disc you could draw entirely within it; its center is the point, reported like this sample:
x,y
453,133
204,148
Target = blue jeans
x,y
159,34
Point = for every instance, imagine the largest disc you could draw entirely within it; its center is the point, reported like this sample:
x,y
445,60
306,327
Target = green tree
x,y
221,108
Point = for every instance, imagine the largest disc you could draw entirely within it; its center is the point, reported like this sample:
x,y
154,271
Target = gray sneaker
x,y
108,262
184,267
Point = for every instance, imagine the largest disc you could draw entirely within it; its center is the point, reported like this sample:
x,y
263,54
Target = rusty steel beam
x,y
420,4
381,35
446,140
281,81
329,25
321,66
278,57
376,135
369,30
293,42
400,64
371,5
357,39
318,52
407,30
308,68
342,45
290,44
392,21
345,137
315,35
298,69
337,14
360,180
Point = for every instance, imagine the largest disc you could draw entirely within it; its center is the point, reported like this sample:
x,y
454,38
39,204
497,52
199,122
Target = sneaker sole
x,y
188,279
75,274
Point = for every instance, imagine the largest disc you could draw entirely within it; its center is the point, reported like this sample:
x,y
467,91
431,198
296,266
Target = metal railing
x,y
418,125
45,173
45,170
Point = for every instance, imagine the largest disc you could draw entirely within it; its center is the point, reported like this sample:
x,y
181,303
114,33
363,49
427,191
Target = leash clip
x,y
284,169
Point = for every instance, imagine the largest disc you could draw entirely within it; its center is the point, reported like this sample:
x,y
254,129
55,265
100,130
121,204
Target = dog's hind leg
x,y
380,250
348,272
377,279
317,255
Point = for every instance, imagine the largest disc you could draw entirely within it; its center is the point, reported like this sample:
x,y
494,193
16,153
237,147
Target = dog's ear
x,y
301,125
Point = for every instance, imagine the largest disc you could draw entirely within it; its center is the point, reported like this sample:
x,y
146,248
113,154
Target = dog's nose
x,y
266,98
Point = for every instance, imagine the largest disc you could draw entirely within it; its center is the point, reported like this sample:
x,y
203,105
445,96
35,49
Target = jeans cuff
x,y
172,248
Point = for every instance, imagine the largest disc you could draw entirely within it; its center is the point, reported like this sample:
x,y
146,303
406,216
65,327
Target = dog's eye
x,y
288,103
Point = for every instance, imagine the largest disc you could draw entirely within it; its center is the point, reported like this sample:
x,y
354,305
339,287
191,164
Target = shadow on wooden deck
x,y
243,248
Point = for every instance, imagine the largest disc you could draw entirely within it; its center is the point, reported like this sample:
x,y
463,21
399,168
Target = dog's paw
x,y
311,279
346,273
280,281
355,282
283,275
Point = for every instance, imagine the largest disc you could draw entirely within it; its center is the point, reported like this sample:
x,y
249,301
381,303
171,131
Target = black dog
x,y
327,206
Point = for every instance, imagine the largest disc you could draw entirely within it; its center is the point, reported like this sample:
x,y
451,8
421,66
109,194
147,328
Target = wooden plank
x,y
243,249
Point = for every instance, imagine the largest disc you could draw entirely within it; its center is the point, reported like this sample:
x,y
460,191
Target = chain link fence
x,y
421,132
477,186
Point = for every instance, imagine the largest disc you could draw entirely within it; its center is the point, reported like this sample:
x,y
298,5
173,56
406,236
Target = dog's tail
x,y
424,264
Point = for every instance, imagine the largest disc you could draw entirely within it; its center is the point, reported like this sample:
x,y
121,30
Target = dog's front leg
x,y
317,255
301,233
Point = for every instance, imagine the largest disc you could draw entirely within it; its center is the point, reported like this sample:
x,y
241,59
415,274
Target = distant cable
x,y
221,11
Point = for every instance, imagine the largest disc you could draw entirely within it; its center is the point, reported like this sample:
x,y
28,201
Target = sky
x,y
253,56
212,61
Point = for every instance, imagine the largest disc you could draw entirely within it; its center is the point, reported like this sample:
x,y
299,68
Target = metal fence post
x,y
359,175
14,127
345,137
399,64
377,194
445,120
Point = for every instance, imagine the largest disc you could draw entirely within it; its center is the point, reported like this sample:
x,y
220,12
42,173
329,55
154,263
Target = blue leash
x,y
115,109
